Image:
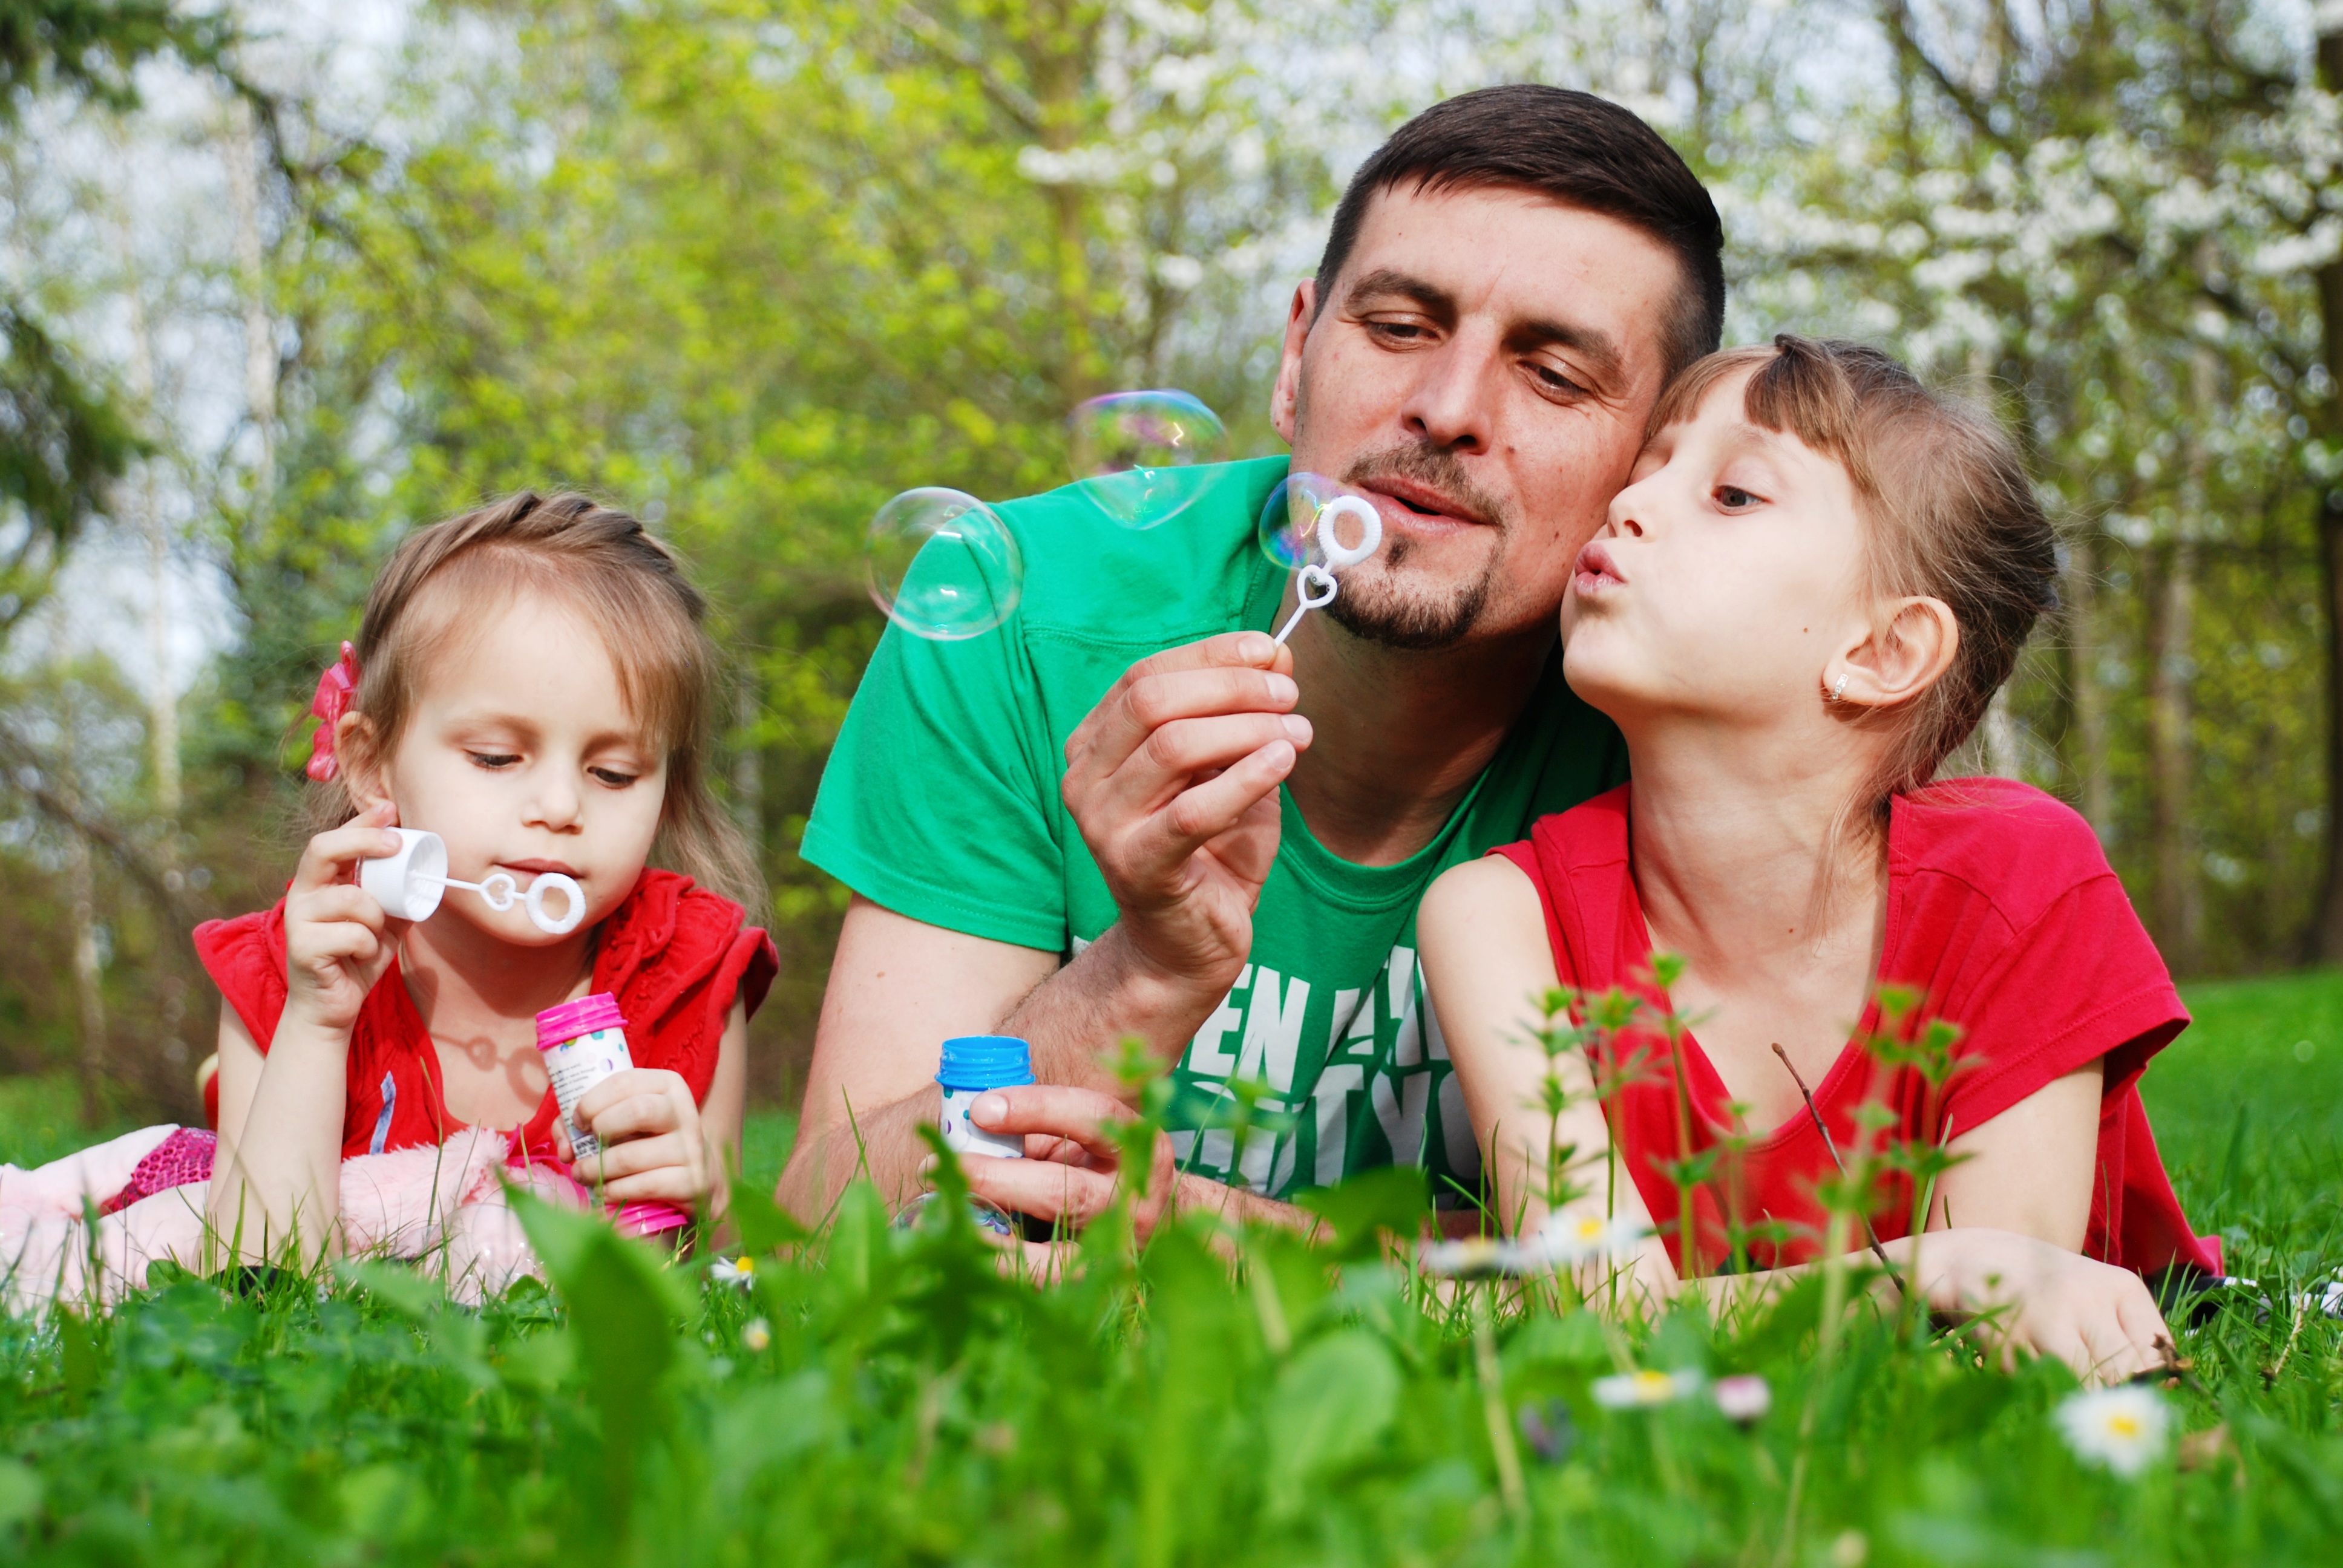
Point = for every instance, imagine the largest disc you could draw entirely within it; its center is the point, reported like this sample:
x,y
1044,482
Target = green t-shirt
x,y
941,801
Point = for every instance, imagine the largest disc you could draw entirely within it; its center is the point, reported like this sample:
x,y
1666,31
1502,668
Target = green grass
x,y
888,1398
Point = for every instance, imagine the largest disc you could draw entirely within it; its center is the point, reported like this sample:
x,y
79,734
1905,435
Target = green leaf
x,y
402,1289
764,1225
1333,1402
20,1492
1392,1198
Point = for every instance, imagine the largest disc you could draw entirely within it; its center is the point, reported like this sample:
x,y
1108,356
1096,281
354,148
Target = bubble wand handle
x,y
1314,586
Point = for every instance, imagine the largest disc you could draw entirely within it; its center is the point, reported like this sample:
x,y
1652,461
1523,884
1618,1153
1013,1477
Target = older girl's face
x,y
521,753
1727,576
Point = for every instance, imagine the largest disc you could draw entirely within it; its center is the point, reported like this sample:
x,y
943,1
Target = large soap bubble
x,y
942,565
1316,527
1130,447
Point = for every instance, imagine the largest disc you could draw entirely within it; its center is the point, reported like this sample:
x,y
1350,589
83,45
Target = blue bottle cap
x,y
974,1061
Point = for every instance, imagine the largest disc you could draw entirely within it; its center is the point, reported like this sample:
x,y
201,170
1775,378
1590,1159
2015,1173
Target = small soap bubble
x,y
1312,520
1130,447
942,565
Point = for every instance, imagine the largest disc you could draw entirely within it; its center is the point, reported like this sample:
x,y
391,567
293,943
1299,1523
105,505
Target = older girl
x,y
1801,604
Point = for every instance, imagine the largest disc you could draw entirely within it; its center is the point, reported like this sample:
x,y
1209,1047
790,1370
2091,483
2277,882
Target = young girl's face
x,y
521,754
1727,576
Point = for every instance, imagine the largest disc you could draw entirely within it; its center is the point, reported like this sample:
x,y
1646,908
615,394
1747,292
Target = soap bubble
x,y
1129,447
1311,521
942,565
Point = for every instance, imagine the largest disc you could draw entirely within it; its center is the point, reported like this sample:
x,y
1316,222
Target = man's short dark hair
x,y
1575,148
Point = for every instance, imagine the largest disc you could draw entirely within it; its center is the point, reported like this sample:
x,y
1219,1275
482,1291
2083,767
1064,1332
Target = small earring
x,y
1838,688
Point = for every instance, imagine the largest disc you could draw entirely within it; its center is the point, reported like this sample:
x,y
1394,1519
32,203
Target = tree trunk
x,y
161,692
2090,702
89,977
2180,904
242,154
2328,936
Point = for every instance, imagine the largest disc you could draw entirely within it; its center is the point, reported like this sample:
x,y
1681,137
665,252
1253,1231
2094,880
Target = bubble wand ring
x,y
409,885
1315,585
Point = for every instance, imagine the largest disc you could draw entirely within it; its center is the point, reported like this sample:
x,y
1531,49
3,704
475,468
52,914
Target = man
x,y
1126,812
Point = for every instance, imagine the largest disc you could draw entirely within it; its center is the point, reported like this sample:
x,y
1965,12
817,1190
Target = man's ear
x,y
354,755
1902,656
1285,397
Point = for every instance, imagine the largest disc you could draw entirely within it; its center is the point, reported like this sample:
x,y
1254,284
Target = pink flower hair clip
x,y
336,689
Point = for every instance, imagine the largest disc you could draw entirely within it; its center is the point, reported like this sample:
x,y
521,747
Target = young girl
x,y
1801,604
532,683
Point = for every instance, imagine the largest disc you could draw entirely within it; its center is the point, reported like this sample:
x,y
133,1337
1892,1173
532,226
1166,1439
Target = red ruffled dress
x,y
2004,916
675,955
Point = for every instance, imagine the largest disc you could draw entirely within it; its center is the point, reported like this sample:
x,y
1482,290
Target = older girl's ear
x,y
1903,656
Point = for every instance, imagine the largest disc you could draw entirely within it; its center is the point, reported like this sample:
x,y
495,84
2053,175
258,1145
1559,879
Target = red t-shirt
x,y
675,955
2004,916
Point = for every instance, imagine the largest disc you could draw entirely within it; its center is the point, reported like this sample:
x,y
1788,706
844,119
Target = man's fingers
x,y
1201,813
1227,651
1125,719
1054,1110
1041,1187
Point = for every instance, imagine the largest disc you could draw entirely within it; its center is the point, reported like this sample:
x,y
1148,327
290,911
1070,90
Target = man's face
x,y
1482,371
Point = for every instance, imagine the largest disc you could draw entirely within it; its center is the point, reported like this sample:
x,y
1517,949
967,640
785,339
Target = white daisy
x,y
1640,1390
757,1334
741,1270
1745,1397
1566,1239
1469,1258
2121,1428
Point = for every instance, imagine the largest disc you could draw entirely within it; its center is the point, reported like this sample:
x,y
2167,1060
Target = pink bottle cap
x,y
648,1218
561,1025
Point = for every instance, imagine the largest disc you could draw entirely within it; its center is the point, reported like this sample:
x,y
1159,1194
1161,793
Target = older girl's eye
x,y
492,760
613,777
1732,499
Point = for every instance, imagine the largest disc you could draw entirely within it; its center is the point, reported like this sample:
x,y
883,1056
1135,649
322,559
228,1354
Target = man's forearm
x,y
884,1144
1074,1019
1201,1195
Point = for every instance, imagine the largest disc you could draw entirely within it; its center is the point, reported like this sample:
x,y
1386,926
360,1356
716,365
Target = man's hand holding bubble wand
x,y
1176,831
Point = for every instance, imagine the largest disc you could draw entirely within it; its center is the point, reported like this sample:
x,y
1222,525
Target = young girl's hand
x,y
653,1146
338,938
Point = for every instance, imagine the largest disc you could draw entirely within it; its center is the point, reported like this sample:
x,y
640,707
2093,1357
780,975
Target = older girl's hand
x,y
653,1147
337,940
2027,1294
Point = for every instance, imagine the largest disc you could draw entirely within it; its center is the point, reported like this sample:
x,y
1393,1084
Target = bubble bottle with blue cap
x,y
972,1064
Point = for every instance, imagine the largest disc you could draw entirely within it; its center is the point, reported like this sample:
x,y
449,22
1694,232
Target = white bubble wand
x,y
1314,585
409,885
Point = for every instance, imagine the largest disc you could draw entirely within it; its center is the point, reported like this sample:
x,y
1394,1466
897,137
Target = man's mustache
x,y
1431,465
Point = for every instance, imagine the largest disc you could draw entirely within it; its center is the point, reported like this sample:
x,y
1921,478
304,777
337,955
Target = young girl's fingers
x,y
340,903
327,859
636,1102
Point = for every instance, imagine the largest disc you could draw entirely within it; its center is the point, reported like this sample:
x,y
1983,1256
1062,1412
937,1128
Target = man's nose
x,y
1452,403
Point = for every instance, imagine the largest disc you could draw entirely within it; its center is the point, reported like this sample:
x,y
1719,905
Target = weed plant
x,y
882,1394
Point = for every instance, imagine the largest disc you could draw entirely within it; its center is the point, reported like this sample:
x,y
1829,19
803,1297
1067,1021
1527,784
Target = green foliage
x,y
876,1400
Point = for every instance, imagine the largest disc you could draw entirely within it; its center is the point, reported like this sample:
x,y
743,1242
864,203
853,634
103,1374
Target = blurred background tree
x,y
312,275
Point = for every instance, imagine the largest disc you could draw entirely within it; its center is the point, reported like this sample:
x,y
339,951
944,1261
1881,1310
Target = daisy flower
x,y
1745,1397
1642,1390
757,1334
1566,1239
1469,1258
2121,1428
741,1270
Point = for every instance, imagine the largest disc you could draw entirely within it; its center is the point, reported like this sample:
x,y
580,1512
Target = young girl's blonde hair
x,y
626,583
1952,516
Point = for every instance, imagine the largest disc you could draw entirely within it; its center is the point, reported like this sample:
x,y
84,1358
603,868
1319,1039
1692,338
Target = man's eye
x,y
613,777
1732,499
492,759
1403,331
1554,381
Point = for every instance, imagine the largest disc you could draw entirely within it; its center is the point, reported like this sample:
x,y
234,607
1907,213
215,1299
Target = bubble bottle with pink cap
x,y
584,1042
